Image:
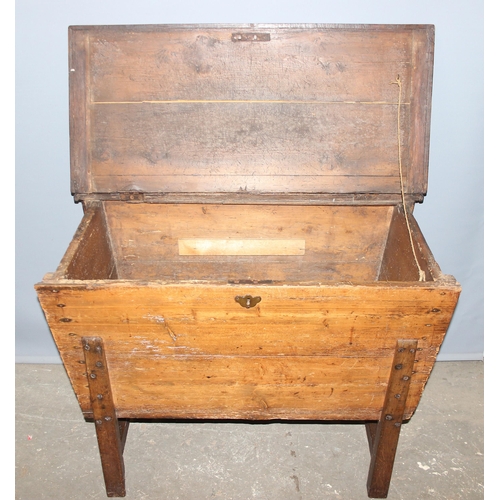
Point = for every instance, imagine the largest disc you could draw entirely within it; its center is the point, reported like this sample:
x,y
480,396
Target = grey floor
x,y
440,452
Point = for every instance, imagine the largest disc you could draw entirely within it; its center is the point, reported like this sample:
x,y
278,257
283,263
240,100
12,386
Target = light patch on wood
x,y
241,247
157,318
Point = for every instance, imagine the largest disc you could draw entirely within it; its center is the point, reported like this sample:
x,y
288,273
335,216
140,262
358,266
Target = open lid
x,y
233,110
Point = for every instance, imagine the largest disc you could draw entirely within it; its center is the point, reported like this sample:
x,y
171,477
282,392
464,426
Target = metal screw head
x,y
388,417
98,422
405,378
93,375
99,364
398,366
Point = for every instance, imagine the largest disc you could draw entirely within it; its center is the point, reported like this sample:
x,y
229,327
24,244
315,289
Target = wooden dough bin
x,y
248,248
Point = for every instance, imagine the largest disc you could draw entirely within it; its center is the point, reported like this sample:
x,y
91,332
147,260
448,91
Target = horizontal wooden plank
x,y
241,247
246,184
255,198
167,320
334,228
276,308
251,384
158,336
242,146
234,269
395,298
207,64
254,387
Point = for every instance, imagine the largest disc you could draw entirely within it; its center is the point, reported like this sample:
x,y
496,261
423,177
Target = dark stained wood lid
x,y
260,109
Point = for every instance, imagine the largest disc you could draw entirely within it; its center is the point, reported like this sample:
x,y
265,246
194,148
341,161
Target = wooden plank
x,y
110,433
420,114
259,387
159,336
93,259
241,269
256,198
89,255
267,138
241,247
265,147
385,440
230,184
398,262
200,63
79,102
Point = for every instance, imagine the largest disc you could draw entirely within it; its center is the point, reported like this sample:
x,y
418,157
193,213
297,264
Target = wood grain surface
x,y
303,352
190,110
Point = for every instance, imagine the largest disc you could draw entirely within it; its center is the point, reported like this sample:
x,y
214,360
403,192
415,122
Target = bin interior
x,y
244,244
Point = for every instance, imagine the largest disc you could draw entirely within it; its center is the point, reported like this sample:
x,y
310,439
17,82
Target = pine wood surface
x,y
313,347
194,351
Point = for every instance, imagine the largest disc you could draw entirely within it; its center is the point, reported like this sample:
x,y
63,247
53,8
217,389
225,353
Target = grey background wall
x,y
451,216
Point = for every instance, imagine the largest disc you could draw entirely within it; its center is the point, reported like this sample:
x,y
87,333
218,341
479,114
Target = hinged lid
x,y
297,110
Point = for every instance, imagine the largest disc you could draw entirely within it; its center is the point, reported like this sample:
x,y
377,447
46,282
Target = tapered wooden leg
x,y
383,437
123,428
111,432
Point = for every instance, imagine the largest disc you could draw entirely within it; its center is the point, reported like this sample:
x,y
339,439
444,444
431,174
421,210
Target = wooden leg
x,y
111,432
123,428
383,436
371,432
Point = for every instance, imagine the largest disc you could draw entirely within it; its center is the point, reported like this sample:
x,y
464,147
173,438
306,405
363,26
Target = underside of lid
x,y
259,110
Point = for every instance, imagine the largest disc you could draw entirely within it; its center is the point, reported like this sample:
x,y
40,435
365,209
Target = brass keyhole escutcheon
x,y
247,301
